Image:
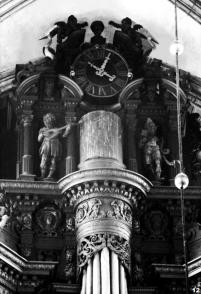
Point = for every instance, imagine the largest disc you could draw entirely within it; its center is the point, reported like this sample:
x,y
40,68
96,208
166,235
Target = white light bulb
x,y
181,181
176,47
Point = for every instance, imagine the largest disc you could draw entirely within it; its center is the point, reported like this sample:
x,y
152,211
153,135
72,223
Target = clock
x,y
100,72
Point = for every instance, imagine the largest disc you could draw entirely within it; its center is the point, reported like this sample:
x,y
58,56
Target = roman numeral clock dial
x,y
100,72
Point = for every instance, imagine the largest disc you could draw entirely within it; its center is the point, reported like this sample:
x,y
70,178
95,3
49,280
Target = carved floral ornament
x,y
92,244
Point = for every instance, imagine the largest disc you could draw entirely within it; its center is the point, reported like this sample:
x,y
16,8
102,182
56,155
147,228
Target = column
x,y
71,151
173,142
96,274
27,158
115,273
131,122
71,143
105,271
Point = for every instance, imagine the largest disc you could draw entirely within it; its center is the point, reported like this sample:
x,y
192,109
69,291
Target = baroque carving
x,y
69,268
121,247
89,210
88,246
26,221
121,210
70,224
48,218
75,193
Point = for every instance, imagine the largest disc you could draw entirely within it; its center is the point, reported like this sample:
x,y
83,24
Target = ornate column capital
x,y
27,119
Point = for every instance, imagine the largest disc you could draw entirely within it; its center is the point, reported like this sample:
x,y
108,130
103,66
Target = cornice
x,y
176,271
170,192
79,177
18,186
9,7
111,174
22,265
194,266
169,270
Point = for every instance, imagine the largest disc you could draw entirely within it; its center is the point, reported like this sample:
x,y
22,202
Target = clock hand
x,y
107,58
100,72
111,77
104,73
94,66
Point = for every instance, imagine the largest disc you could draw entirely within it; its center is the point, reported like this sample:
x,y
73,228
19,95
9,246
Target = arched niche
x,y
29,86
128,91
162,110
37,95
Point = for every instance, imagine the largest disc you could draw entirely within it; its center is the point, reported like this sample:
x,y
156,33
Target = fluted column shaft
x,y
27,158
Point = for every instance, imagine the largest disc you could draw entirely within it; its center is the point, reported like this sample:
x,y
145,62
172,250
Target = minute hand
x,y
107,58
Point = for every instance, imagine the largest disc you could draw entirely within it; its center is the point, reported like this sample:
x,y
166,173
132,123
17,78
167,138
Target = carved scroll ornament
x,y
89,245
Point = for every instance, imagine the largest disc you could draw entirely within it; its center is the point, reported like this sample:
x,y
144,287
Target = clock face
x,y
100,72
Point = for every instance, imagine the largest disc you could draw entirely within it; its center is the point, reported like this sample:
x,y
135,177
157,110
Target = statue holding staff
x,y
51,148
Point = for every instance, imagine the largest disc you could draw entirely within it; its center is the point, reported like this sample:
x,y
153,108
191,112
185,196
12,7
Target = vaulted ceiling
x,y
23,22
191,8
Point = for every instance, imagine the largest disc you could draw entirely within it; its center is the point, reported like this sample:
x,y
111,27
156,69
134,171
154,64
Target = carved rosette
x,y
104,210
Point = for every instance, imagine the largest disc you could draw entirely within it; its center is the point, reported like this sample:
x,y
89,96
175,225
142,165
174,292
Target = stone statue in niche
x,y
51,148
149,143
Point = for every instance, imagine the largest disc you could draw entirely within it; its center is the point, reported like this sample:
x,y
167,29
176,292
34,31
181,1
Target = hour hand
x,y
111,77
94,66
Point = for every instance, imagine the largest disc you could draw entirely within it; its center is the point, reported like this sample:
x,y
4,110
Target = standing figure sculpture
x,y
51,148
151,150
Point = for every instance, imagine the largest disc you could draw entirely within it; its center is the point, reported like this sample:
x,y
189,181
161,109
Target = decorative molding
x,y
96,209
22,265
194,266
119,175
169,270
112,189
165,192
89,210
92,244
88,246
18,186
